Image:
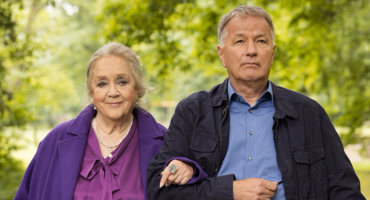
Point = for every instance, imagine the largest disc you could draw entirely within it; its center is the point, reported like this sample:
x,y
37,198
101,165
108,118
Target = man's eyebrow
x,y
242,34
261,35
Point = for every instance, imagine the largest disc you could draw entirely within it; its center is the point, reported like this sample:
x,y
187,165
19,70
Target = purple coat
x,y
53,171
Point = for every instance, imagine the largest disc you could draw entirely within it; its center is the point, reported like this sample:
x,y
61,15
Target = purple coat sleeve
x,y
24,188
199,174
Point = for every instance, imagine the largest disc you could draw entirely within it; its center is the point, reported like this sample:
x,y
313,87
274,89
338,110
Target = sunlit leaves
x,y
322,48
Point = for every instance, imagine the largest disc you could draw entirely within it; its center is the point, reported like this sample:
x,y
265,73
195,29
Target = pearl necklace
x,y
105,144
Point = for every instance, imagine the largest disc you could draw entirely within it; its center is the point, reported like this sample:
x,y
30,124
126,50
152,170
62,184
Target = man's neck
x,y
250,91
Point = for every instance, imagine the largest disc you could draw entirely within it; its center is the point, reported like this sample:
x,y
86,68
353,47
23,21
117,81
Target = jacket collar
x,y
283,105
81,124
218,94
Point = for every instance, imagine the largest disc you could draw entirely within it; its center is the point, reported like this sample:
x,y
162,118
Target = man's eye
x,y
101,84
239,41
262,41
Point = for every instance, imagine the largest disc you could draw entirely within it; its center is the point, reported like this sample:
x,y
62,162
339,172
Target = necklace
x,y
105,144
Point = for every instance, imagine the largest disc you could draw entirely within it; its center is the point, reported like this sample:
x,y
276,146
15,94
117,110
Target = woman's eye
x,y
122,82
101,84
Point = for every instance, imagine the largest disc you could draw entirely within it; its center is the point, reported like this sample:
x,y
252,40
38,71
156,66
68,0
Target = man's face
x,y
248,49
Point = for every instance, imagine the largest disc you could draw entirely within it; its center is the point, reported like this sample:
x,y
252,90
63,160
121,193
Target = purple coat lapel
x,y
151,135
71,151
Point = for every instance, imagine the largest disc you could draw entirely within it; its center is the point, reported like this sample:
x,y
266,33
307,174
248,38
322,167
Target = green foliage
x,y
363,172
12,111
11,170
322,49
326,43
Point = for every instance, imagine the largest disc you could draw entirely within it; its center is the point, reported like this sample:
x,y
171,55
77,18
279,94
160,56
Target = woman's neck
x,y
109,126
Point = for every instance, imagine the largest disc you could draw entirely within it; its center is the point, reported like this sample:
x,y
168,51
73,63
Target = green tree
x,y
322,49
12,111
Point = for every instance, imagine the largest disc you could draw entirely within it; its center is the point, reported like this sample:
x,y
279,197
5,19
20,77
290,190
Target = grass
x,y
363,172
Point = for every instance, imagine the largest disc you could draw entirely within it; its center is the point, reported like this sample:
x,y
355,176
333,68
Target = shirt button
x,y
250,110
250,157
250,132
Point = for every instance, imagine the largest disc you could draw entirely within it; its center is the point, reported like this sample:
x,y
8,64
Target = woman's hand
x,y
182,175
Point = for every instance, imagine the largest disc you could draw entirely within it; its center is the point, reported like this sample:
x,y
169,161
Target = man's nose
x,y
251,49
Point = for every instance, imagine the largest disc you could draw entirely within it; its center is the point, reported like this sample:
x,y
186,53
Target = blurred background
x,y
323,51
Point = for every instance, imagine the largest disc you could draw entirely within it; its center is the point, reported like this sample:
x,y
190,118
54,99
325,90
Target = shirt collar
x,y
231,92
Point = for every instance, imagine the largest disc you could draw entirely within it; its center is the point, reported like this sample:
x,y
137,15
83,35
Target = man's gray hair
x,y
122,51
244,11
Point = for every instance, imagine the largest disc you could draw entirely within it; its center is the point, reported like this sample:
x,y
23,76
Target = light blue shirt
x,y
251,152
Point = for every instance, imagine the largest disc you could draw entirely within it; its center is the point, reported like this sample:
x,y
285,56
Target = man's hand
x,y
253,189
182,175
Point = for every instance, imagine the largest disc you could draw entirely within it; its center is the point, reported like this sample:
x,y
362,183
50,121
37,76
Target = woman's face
x,y
113,88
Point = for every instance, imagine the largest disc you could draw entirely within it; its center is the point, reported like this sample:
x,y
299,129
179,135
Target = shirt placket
x,y
251,140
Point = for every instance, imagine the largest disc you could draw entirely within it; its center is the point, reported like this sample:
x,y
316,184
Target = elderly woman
x,y
103,153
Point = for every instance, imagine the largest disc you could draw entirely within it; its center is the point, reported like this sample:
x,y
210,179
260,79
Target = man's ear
x,y
273,52
220,52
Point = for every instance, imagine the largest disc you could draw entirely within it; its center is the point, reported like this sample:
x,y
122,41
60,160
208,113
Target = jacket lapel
x,y
70,154
71,150
150,140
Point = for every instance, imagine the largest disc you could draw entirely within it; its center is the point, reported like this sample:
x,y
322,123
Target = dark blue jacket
x,y
309,152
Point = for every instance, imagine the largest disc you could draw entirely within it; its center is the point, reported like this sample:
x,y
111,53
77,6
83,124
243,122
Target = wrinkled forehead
x,y
110,66
248,16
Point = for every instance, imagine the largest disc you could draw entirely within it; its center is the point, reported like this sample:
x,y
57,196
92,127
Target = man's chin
x,y
251,79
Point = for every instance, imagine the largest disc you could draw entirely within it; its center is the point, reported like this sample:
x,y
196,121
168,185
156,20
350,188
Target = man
x,y
253,139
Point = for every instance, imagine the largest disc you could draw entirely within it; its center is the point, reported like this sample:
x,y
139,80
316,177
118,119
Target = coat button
x,y
250,157
250,132
250,110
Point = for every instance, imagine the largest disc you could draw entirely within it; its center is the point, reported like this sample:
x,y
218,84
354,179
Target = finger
x,y
186,176
272,186
268,193
171,178
168,183
164,178
184,180
178,179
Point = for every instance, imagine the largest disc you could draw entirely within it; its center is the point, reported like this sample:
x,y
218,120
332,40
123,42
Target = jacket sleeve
x,y
343,182
176,143
24,187
198,175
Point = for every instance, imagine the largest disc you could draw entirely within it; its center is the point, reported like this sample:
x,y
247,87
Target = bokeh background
x,y
323,51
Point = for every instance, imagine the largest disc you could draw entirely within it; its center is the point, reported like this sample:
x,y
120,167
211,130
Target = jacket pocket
x,y
203,150
309,155
203,143
311,172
